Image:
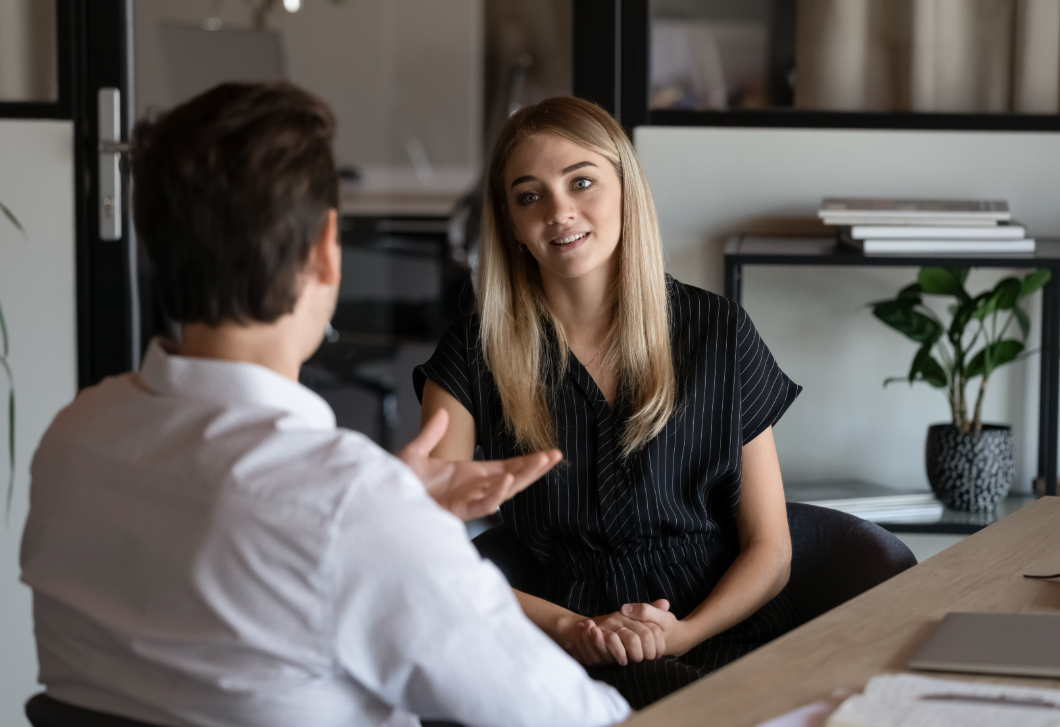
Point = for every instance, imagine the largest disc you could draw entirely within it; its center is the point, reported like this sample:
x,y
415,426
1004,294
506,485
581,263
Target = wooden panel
x,y
878,631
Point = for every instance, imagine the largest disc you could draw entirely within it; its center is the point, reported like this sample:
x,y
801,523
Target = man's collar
x,y
230,383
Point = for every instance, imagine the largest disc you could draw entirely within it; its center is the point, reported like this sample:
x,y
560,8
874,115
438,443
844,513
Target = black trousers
x,y
644,682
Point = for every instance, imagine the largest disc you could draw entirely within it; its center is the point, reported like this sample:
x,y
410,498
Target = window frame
x,y
62,107
612,57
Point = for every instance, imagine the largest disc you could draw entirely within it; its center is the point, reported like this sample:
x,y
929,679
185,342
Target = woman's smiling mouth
x,y
569,240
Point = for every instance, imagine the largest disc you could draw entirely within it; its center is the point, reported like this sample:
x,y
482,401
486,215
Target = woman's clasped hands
x,y
637,632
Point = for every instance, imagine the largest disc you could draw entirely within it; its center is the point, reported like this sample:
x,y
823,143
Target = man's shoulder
x,y
322,473
99,402
244,457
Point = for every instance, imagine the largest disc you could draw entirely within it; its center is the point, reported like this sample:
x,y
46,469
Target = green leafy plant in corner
x,y
5,350
978,339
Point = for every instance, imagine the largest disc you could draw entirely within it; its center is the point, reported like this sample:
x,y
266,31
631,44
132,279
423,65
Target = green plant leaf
x,y
991,357
10,433
942,281
985,305
12,219
926,368
1007,292
3,334
910,292
10,451
1023,320
1034,281
4,347
964,313
899,315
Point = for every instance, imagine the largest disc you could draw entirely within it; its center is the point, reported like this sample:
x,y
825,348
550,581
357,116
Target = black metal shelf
x,y
955,522
744,250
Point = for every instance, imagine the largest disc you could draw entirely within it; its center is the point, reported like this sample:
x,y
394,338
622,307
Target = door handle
x,y
110,147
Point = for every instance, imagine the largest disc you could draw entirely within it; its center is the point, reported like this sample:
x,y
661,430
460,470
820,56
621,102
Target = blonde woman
x,y
664,535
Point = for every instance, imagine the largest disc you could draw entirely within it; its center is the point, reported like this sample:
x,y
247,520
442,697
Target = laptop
x,y
1016,644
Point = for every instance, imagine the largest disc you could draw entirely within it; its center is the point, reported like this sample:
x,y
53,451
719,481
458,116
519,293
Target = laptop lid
x,y
1016,644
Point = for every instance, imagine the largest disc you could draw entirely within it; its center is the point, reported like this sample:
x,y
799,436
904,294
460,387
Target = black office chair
x,y
835,557
43,711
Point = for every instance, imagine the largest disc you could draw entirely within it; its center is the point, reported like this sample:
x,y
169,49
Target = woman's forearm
x,y
762,568
757,575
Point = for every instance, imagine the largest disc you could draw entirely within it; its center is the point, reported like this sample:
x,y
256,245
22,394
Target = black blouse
x,y
661,523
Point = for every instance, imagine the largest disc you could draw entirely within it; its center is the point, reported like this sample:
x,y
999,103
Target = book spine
x,y
949,246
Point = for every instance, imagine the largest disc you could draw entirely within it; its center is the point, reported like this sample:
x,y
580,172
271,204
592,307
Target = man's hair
x,y
230,191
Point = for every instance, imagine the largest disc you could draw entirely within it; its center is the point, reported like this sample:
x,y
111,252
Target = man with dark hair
x,y
204,546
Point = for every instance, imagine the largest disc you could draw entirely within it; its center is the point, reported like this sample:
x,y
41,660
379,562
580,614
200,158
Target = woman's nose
x,y
562,209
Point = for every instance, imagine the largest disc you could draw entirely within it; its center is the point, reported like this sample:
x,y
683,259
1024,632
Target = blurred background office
x,y
418,87
744,113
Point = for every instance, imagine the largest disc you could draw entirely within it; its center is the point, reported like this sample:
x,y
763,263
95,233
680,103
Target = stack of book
x,y
921,226
868,501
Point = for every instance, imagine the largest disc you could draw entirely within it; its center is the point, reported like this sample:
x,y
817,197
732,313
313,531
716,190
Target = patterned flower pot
x,y
970,471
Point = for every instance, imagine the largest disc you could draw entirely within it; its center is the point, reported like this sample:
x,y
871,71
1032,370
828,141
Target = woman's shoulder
x,y
459,345
456,363
695,307
463,330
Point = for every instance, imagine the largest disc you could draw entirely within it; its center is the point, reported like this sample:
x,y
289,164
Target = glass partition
x,y
916,64
889,56
28,52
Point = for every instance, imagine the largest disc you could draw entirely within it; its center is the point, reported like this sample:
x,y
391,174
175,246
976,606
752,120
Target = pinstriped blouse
x,y
661,523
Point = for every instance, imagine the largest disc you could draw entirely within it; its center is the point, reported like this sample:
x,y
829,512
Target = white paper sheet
x,y
897,701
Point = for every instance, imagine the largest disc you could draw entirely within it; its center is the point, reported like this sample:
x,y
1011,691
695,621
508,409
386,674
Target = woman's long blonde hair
x,y
513,306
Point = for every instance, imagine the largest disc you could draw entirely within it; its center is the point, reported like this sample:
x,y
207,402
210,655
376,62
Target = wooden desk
x,y
879,630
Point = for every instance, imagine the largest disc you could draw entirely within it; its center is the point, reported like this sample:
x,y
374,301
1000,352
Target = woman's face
x,y
565,204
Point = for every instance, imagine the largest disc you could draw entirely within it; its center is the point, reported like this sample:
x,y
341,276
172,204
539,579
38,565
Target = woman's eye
x,y
582,183
527,198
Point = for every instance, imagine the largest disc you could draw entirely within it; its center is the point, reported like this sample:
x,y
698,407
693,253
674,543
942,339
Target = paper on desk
x,y
893,700
812,715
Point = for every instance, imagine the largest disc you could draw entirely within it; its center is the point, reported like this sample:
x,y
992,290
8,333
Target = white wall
x,y
37,288
709,182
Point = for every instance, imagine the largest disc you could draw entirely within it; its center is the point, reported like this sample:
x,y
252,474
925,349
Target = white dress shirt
x,y
205,547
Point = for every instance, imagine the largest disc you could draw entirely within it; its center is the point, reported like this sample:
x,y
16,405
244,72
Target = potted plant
x,y
969,465
5,366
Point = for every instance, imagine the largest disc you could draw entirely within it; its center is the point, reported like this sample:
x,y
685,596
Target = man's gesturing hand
x,y
471,489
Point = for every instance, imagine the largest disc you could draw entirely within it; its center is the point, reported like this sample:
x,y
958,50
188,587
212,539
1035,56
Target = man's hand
x,y
676,633
471,489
